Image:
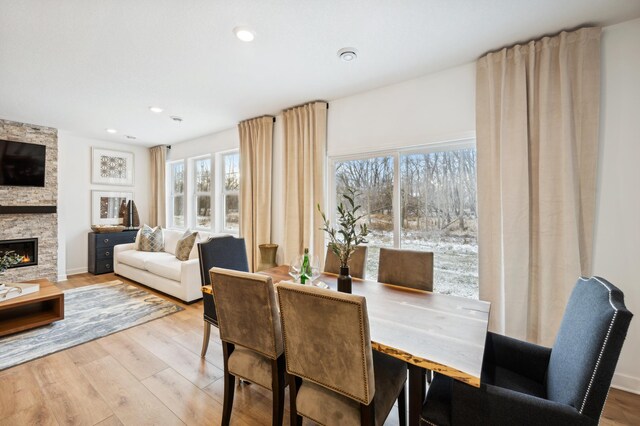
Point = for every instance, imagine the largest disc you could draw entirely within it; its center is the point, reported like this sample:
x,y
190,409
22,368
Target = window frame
x,y
194,193
172,194
224,192
396,154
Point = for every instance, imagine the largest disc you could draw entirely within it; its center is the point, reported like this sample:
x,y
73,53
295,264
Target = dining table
x,y
429,331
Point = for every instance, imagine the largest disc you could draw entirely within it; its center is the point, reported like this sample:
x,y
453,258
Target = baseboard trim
x,y
62,277
626,383
74,271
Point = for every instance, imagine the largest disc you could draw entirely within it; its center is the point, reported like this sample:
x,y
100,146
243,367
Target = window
x,y
421,200
202,192
230,190
176,196
373,180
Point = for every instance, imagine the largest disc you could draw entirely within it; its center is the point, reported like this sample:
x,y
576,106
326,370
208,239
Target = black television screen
x,y
22,164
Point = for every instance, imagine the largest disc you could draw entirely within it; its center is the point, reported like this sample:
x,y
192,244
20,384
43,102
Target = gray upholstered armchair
x,y
527,384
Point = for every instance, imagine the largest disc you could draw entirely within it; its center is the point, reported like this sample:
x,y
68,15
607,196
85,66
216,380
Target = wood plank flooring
x,y
153,374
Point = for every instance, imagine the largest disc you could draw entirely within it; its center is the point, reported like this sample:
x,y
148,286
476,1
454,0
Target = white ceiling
x,y
86,65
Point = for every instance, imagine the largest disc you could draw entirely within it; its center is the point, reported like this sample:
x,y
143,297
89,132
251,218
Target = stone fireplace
x,y
30,212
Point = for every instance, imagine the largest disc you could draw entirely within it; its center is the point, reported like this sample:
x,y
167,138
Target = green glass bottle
x,y
305,271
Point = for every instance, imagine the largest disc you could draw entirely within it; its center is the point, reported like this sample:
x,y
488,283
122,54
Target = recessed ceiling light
x,y
130,137
176,119
348,54
112,131
155,109
244,33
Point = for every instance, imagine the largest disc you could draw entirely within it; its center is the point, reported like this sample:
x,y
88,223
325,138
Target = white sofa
x,y
162,270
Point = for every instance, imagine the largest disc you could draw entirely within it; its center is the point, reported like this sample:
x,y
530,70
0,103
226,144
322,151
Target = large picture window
x,y
202,187
176,195
230,192
423,199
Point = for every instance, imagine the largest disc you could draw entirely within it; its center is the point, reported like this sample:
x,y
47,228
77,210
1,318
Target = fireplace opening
x,y
26,247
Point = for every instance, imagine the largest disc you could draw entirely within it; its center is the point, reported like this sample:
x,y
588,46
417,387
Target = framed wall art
x,y
111,167
105,206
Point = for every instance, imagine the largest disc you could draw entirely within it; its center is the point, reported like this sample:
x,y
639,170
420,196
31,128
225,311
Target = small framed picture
x,y
105,206
111,167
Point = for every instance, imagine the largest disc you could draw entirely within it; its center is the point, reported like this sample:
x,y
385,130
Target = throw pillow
x,y
151,239
136,244
185,244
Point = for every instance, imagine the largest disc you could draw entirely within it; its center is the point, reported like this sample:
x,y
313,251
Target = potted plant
x,y
7,260
349,234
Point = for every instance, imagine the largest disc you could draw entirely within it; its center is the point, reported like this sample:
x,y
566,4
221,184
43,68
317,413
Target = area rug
x,y
90,312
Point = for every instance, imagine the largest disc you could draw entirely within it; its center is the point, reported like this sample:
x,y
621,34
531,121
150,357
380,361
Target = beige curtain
x,y
537,114
305,141
157,203
256,153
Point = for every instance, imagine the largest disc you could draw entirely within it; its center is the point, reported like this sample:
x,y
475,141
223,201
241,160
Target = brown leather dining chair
x,y
251,336
334,376
357,267
406,268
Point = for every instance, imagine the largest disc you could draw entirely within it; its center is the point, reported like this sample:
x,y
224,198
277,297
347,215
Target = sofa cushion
x,y
171,238
185,245
151,241
136,258
165,265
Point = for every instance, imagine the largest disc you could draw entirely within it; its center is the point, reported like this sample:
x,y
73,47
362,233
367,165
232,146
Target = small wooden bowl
x,y
101,229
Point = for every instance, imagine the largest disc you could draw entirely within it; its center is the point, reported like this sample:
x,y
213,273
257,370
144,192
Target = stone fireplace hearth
x,y
30,212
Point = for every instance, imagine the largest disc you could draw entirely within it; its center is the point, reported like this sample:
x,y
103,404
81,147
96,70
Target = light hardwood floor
x,y
153,374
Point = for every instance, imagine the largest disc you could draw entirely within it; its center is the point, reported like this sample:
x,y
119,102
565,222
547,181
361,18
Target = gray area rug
x,y
89,313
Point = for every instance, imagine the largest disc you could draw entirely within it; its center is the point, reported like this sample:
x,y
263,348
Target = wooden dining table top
x,y
438,332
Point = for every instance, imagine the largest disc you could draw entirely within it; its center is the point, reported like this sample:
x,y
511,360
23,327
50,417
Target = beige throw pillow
x,y
185,244
151,239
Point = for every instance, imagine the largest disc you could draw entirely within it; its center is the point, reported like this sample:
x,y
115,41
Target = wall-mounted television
x,y
22,164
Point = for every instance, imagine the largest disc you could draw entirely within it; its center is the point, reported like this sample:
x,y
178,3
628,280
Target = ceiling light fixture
x,y
155,109
348,54
112,131
130,137
244,34
176,119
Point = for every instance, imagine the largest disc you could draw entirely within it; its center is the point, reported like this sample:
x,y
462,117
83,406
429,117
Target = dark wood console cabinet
x,y
101,249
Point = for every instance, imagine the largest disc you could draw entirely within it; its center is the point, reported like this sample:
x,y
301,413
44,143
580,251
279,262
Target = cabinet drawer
x,y
103,266
112,239
105,253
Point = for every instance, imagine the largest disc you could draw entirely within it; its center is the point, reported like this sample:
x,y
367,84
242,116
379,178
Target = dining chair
x,y
527,384
223,252
357,266
334,376
251,336
406,268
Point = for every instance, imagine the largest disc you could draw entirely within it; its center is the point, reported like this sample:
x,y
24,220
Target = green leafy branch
x,y
349,234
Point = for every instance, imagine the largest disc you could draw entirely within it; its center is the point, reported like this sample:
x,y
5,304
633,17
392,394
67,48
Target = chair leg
x,y
402,406
229,388
294,383
205,339
277,385
368,414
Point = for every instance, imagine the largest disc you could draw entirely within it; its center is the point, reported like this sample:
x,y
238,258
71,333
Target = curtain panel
x,y
305,147
537,118
157,206
256,155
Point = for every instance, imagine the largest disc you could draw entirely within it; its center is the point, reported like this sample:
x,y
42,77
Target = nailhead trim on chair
x,y
364,365
604,344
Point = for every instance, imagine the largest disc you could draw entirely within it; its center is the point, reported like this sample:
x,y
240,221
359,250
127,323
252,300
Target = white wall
x,y
434,108
617,237
74,195
208,144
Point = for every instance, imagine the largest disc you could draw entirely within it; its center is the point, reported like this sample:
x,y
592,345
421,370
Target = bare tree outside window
x,y
202,195
230,191
177,195
437,210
